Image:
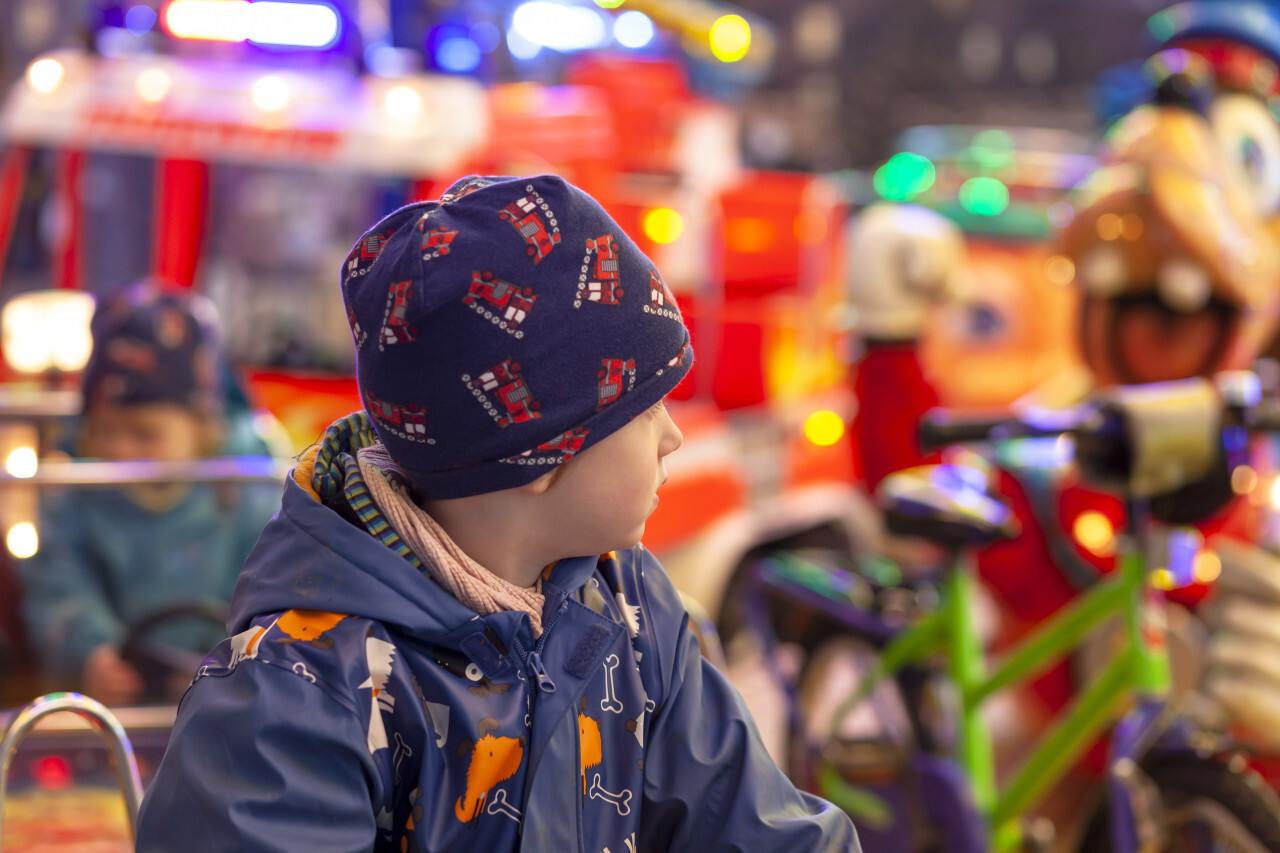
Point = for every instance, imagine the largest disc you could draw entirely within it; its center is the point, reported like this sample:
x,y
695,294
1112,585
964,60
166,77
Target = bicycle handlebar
x,y
941,427
1145,440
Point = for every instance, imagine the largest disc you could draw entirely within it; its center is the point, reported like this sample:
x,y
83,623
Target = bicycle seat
x,y
945,504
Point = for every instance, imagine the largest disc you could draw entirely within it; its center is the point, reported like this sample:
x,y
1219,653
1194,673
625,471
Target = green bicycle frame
x,y
1141,666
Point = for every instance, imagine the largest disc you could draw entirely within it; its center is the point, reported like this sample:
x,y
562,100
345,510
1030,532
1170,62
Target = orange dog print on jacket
x,y
589,737
494,760
308,626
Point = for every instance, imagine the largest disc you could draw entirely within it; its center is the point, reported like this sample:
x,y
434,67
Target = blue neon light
x,y
458,54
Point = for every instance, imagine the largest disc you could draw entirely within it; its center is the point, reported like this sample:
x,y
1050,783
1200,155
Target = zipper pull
x,y
545,684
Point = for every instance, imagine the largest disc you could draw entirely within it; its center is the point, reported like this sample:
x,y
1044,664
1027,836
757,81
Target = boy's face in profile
x,y
604,495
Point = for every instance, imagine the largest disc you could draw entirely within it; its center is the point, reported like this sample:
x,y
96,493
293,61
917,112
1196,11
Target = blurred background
x,y
862,208
840,80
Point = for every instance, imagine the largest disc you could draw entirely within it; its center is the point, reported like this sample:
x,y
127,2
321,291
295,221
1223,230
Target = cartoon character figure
x,y
1175,245
1181,277
901,259
494,759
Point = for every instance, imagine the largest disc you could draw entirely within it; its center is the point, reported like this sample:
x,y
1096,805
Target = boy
x,y
109,558
449,637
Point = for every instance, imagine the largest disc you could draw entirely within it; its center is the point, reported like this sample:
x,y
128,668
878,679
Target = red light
x,y
51,773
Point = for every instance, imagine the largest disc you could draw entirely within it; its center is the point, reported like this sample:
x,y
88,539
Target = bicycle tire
x,y
1226,797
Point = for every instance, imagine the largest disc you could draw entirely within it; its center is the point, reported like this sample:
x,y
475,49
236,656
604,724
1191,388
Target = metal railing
x,y
121,750
95,473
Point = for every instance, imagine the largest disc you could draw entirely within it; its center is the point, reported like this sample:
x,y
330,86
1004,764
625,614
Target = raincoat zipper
x,y
533,660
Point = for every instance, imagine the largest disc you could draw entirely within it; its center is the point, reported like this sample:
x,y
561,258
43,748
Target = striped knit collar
x,y
337,480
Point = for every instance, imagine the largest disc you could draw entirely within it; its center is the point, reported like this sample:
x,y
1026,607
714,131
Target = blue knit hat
x,y
503,329
154,345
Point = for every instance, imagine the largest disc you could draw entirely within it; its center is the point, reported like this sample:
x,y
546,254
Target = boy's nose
x,y
672,439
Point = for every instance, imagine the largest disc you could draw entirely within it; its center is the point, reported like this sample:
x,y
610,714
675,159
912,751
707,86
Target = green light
x,y
904,175
1161,26
984,196
992,150
993,137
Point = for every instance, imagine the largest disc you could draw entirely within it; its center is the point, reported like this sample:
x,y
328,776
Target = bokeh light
x,y
22,540
45,75
458,54
139,19
1059,270
633,29
153,84
562,28
730,38
1095,532
403,102
984,196
663,225
270,93
22,462
904,176
824,428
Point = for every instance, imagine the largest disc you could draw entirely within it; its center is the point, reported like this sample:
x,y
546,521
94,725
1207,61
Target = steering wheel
x,y
166,669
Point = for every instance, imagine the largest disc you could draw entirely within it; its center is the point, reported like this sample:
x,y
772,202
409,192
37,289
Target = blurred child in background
x,y
153,389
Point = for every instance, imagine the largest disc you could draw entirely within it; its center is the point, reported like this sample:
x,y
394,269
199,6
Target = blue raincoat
x,y
360,707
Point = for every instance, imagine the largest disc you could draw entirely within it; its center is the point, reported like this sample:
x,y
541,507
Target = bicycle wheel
x,y
1209,807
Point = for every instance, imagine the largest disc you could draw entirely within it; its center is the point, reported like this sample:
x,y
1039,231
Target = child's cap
x,y
504,328
153,345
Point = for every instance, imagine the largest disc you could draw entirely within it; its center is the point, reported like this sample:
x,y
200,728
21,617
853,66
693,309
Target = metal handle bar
x,y
942,427
1235,396
1144,440
94,473
103,720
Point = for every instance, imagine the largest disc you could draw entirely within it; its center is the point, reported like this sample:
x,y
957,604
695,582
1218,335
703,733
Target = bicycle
x,y
931,784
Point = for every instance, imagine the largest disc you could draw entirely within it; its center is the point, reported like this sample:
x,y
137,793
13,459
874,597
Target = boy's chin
x,y
620,543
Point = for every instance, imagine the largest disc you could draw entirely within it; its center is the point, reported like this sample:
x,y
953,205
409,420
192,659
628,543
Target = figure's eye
x,y
1250,139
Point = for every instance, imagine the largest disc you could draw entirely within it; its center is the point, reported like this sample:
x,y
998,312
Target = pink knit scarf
x,y
446,563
